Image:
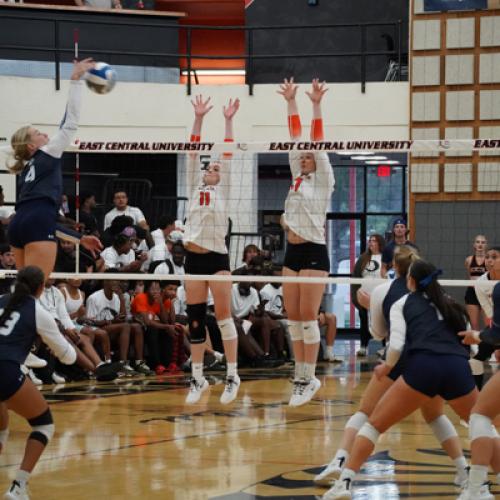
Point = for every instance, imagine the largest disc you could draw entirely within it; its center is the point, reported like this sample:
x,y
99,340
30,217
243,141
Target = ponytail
x,y
28,282
21,153
425,276
404,257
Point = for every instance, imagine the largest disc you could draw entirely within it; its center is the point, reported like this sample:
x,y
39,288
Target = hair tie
x,y
425,282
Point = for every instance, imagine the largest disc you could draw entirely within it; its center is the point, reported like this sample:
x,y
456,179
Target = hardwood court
x,y
136,439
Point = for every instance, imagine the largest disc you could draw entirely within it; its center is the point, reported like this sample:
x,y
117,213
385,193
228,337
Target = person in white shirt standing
x,y
120,200
306,254
206,253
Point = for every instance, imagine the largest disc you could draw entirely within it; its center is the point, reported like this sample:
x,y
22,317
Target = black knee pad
x,y
196,314
43,427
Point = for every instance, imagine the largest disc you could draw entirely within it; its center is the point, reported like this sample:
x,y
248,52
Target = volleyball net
x,y
371,192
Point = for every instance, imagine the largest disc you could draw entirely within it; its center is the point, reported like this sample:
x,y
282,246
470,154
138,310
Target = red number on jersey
x,y
205,198
296,185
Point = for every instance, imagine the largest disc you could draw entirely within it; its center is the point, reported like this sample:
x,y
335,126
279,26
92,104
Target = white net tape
x,y
234,278
349,146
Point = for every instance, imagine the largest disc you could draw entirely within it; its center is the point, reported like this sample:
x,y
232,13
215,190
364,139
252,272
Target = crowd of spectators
x,y
141,326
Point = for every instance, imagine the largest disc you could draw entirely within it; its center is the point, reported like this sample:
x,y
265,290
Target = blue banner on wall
x,y
444,5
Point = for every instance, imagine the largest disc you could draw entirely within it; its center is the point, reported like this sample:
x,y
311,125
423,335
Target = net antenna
x,y
76,39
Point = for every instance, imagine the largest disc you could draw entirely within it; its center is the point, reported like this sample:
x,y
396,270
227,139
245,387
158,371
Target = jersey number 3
x,y
30,176
9,325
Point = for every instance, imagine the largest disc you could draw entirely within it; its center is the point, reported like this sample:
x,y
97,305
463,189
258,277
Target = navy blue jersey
x,y
492,335
396,291
19,331
42,175
426,330
41,178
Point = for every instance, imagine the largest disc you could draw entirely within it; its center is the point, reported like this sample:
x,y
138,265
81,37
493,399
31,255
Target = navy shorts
x,y
397,370
445,375
307,256
11,379
35,220
206,263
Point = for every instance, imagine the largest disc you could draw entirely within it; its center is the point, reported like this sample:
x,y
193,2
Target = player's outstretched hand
x,y
288,89
92,244
317,92
230,110
81,67
470,337
201,107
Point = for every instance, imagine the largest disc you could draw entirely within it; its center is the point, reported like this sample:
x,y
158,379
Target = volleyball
x,y
101,79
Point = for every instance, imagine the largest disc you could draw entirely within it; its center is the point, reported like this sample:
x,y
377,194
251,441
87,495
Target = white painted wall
x,y
159,112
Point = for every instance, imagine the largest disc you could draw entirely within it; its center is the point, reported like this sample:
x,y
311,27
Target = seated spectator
x,y
7,261
87,218
66,259
249,252
120,200
166,225
99,4
246,306
172,265
86,356
106,310
163,251
121,257
157,315
75,306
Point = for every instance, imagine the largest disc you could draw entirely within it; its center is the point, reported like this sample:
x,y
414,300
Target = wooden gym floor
x,y
136,439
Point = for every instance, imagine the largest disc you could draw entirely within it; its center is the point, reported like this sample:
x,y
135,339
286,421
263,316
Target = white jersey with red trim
x,y
309,197
208,211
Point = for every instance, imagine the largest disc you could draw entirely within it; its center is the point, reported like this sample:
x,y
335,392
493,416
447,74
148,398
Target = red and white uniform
x,y
309,198
208,211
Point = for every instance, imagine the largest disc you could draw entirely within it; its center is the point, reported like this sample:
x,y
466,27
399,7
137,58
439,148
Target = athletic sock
x,y
309,370
477,477
341,453
197,371
462,468
329,351
347,474
22,477
299,370
232,369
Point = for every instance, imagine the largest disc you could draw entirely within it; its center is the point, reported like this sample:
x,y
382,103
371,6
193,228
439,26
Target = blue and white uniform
x,y
436,362
381,302
40,184
491,335
17,336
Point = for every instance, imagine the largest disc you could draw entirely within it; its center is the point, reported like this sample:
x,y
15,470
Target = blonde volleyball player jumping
x,y
204,238
306,255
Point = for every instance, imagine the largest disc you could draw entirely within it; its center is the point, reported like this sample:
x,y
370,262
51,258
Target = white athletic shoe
x,y
33,361
333,359
303,391
17,492
340,490
58,379
460,480
361,352
298,389
468,494
196,389
33,377
230,390
330,473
